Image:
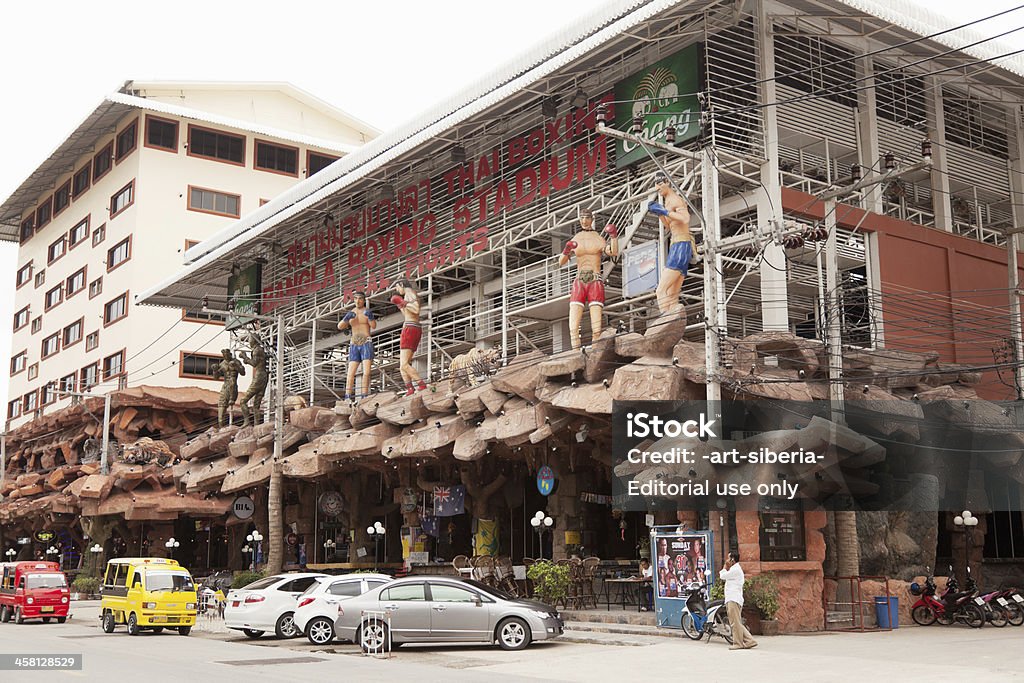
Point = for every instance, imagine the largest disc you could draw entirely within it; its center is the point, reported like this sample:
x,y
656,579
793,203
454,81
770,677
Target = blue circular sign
x,y
545,480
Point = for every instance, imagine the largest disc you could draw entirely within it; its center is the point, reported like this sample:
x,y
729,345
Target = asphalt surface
x,y
933,654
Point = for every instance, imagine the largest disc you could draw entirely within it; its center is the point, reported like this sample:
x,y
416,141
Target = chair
x,y
460,562
528,562
589,592
483,569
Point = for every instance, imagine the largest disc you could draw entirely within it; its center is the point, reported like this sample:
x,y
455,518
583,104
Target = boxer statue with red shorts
x,y
409,304
589,248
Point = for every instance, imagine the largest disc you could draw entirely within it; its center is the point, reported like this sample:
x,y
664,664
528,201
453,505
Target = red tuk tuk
x,y
33,590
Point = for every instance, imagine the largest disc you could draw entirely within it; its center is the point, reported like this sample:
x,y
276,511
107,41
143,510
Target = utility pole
x,y
714,295
104,461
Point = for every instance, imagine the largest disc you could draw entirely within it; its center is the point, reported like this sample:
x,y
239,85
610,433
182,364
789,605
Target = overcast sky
x,y
382,62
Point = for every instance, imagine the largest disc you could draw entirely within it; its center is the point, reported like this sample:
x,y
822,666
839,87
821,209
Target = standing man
x,y
675,216
732,574
588,288
360,351
229,368
409,304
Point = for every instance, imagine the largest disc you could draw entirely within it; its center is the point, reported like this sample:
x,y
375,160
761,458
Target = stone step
x,y
610,617
643,631
838,617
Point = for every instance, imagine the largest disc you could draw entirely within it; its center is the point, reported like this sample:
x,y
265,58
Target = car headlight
x,y
540,614
149,605
30,600
190,605
64,600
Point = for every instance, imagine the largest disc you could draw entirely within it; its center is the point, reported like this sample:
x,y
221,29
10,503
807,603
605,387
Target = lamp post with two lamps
x,y
376,532
967,521
541,523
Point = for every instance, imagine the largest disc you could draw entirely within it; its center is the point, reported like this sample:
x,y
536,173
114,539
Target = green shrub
x,y
243,579
550,581
762,591
88,585
718,590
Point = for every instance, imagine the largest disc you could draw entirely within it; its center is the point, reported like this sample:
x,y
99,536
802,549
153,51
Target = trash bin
x,y
887,611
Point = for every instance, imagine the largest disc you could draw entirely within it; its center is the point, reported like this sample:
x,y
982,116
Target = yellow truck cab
x,y
147,593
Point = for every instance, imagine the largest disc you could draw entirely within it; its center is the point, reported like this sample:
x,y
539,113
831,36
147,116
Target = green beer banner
x,y
664,94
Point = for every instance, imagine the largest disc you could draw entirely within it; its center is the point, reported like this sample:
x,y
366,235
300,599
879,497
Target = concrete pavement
x,y
934,654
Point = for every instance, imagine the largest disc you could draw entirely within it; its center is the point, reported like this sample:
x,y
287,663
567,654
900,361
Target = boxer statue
x,y
260,377
590,248
229,368
409,304
675,216
360,350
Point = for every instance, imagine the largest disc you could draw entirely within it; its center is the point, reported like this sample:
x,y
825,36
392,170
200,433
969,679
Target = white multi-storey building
x,y
153,169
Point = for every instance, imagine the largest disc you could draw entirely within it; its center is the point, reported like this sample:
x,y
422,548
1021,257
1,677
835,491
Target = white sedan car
x,y
267,605
317,608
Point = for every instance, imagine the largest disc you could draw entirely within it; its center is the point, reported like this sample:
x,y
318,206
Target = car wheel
x,y
320,631
285,627
61,620
373,636
514,634
184,630
690,628
252,633
18,618
108,622
133,625
4,616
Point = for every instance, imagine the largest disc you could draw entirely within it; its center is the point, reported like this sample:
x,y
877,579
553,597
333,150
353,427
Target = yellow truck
x,y
150,593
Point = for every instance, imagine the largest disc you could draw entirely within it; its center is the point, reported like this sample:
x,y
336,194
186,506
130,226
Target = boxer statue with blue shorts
x,y
675,216
361,322
588,288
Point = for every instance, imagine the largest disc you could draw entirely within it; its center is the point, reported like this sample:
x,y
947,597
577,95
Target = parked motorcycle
x,y
950,607
994,613
702,618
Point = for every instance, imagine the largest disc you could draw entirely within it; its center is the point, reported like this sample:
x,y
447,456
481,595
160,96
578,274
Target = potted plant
x,y
550,581
84,587
761,595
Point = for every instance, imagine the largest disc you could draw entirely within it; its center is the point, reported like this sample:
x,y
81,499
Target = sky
x,y
383,63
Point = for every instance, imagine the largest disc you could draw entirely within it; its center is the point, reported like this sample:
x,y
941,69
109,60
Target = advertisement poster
x,y
640,269
244,288
679,563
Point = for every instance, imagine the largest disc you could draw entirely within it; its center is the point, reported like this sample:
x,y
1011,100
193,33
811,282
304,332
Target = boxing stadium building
x,y
904,281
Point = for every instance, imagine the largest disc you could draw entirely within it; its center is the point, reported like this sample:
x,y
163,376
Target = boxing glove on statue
x,y
612,231
569,246
657,209
398,301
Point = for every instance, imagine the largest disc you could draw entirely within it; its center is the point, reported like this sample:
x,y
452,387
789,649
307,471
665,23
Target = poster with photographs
x,y
679,563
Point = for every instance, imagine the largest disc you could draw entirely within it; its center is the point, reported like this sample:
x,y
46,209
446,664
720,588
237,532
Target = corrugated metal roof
x,y
560,49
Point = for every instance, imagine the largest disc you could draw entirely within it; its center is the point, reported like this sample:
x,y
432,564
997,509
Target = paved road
x,y
909,654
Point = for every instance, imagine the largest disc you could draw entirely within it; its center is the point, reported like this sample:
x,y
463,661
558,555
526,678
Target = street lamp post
x,y
96,549
247,552
967,521
10,554
171,546
255,537
51,551
376,532
541,523
329,546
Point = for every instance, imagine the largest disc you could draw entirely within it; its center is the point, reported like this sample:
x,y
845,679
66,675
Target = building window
x,y
76,282
51,345
56,250
24,274
33,371
29,403
102,162
198,365
53,297
99,234
21,319
44,213
115,310
317,162
28,227
211,144
78,233
67,382
88,376
161,133
49,393
80,182
122,199
209,201
277,158
119,253
92,340
96,287
782,532
62,198
125,142
73,332
19,362
40,278
14,409
113,365
37,324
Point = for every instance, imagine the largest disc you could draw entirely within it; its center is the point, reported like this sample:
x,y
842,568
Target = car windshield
x,y
488,590
262,583
169,581
46,581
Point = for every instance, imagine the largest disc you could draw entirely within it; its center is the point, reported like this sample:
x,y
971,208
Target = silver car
x,y
427,609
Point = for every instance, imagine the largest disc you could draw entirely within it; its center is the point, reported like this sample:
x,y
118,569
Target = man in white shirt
x,y
733,577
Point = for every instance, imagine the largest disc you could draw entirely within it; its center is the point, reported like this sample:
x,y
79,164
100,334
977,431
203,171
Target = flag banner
x,y
449,500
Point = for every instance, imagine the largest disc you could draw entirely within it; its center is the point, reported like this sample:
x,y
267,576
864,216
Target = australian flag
x,y
449,500
430,526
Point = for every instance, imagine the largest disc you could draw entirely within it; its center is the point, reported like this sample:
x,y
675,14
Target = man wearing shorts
x,y
675,216
409,304
589,248
361,322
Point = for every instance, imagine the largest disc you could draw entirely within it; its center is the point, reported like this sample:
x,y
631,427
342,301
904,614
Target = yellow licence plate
x,y
46,609
157,620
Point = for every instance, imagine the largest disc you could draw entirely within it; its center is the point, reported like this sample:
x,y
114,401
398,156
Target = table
x,y
625,592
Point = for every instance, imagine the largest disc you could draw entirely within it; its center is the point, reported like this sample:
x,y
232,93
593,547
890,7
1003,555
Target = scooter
x,y
994,613
702,618
953,606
